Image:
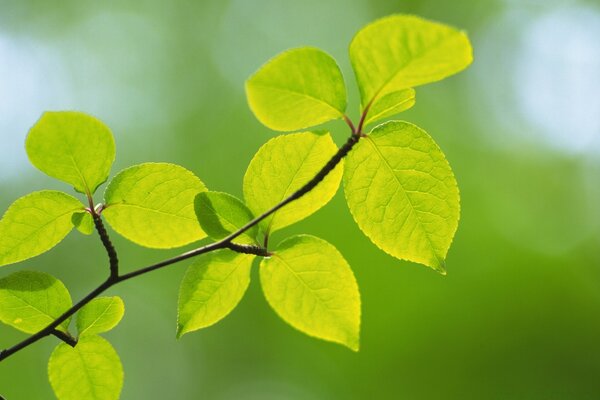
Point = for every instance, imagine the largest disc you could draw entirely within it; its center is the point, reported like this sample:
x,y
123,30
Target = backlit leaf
x,y
35,223
100,315
73,147
83,222
212,287
391,104
152,205
30,301
91,371
403,194
311,286
282,166
220,214
403,51
297,89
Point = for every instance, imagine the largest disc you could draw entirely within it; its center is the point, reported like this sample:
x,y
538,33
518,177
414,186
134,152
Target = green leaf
x,y
391,104
297,89
100,315
152,205
282,166
404,51
91,371
83,222
221,214
402,193
30,301
212,287
35,223
311,286
73,147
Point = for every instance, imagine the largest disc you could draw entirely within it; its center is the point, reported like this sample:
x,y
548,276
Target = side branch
x,y
110,249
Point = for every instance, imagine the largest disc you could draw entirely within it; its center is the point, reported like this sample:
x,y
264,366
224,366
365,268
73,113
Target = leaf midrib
x,y
412,207
404,66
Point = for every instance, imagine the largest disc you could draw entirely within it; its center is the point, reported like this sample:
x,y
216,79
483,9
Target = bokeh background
x,y
517,317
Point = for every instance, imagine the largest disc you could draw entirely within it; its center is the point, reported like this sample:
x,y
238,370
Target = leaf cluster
x,y
399,187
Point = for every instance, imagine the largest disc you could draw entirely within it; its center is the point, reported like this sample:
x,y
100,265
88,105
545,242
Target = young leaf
x,y
297,89
311,286
404,51
30,301
221,214
100,315
73,147
391,104
83,222
212,287
402,193
282,166
152,205
91,371
35,223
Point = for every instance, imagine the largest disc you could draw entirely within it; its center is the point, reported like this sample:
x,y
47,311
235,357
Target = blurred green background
x,y
517,317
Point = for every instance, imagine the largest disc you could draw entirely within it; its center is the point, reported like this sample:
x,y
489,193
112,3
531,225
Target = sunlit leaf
x,y
390,104
282,166
35,223
100,315
220,214
153,205
30,301
83,222
403,194
212,287
404,51
91,371
297,89
73,147
311,286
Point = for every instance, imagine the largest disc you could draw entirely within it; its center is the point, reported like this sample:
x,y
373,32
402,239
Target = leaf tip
x,y
180,331
441,267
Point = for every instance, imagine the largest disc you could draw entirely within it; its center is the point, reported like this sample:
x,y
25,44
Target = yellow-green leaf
x,y
35,223
311,286
297,89
152,205
282,166
390,104
73,147
91,371
83,222
100,315
30,301
212,287
403,51
402,193
221,214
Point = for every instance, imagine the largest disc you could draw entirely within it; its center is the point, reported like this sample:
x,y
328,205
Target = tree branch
x,y
225,243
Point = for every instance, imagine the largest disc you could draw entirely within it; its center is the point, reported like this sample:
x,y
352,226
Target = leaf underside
x,y
403,194
311,286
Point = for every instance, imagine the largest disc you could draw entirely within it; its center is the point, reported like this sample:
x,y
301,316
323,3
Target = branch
x,y
110,249
65,337
225,243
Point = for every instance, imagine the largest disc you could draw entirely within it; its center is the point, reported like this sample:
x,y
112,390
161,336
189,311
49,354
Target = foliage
x,y
398,185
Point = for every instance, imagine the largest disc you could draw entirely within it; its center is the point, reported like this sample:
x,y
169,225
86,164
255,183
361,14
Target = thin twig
x,y
113,259
65,337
